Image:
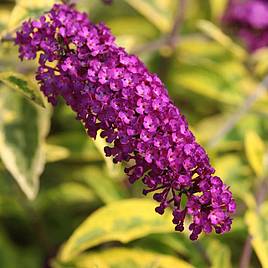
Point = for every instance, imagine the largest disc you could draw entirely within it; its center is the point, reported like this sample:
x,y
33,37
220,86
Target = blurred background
x,y
55,180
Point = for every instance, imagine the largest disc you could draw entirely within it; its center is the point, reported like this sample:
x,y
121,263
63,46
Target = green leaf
x,y
260,61
78,144
132,26
129,258
113,169
258,228
219,254
206,128
231,169
216,34
123,221
209,70
23,85
23,128
56,153
207,83
158,12
132,32
255,150
105,187
183,246
4,17
199,48
12,256
217,8
8,257
65,193
28,8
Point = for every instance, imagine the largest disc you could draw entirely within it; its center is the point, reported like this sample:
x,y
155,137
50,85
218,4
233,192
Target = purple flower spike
x,y
114,93
249,18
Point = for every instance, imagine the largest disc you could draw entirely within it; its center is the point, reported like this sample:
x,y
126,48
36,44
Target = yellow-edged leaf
x,y
105,187
67,193
158,12
217,8
219,254
28,8
123,221
216,33
260,61
129,258
4,16
56,153
132,26
23,85
206,83
113,169
81,148
23,128
255,150
258,228
230,167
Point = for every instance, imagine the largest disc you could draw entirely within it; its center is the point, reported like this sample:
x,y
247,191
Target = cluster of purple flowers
x,y
114,93
249,18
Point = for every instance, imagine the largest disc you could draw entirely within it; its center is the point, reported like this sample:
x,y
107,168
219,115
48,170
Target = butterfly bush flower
x,y
114,93
249,18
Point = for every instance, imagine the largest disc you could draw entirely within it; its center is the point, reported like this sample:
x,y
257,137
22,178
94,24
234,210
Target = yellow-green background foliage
x,y
62,204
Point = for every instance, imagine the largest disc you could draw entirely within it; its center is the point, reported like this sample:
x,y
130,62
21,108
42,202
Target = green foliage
x,y
255,150
217,8
131,258
27,8
215,33
86,214
108,190
23,128
156,11
23,85
125,220
258,228
219,254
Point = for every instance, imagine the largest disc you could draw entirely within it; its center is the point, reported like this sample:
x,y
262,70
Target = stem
x,y
179,18
247,249
6,38
246,254
170,39
151,46
240,112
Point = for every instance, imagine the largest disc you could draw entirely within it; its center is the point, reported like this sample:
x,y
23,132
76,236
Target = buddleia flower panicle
x,y
248,19
114,93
